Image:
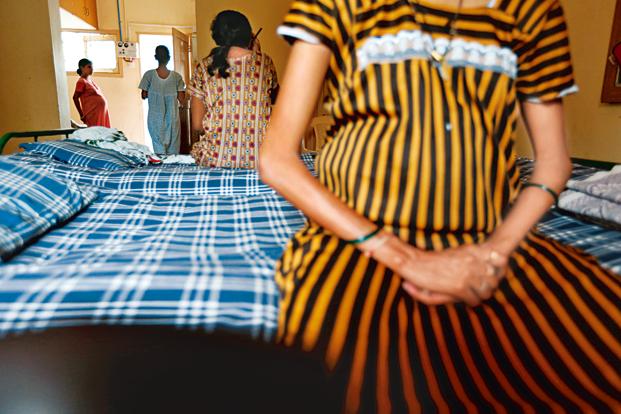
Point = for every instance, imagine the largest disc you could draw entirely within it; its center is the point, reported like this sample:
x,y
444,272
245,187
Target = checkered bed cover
x,y
191,261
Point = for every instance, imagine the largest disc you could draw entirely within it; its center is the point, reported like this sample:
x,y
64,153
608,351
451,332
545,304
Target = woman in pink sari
x,y
88,98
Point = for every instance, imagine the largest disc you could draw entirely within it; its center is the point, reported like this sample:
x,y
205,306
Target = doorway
x,y
178,43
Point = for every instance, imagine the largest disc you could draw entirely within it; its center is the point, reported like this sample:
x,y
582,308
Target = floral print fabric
x,y
237,107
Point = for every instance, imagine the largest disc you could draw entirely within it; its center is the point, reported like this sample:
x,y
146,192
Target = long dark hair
x,y
229,28
81,64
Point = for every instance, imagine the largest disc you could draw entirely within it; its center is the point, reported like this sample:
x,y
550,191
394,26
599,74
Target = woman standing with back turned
x,y
165,90
232,93
419,278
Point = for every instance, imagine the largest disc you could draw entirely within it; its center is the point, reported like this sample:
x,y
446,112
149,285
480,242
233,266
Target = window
x,y
100,48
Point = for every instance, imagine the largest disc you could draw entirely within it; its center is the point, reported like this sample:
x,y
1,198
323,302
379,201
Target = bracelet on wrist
x,y
375,244
543,187
364,238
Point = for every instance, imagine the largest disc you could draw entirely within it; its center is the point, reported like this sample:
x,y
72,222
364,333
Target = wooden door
x,y
181,60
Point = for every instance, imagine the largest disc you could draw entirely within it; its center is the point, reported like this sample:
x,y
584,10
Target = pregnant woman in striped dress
x,y
419,278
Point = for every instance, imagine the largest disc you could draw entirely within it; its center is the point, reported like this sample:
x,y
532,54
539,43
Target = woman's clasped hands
x,y
468,273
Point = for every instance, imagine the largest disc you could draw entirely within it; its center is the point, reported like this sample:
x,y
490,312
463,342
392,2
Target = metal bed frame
x,y
4,139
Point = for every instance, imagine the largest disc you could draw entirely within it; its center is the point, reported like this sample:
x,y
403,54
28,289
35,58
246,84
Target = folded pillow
x,y
83,155
32,201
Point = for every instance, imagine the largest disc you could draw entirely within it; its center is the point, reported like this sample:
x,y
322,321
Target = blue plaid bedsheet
x,y
204,262
187,260
604,244
171,180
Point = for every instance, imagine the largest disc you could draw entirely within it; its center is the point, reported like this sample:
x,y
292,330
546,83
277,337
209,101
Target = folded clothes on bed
x,y
80,154
597,197
590,206
603,184
113,139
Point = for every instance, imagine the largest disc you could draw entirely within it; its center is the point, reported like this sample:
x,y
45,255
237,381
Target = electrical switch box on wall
x,y
127,50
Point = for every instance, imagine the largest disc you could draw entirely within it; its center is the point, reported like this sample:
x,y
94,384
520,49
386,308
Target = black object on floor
x,y
157,370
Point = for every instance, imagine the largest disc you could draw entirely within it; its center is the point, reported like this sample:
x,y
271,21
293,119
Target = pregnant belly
x,y
94,103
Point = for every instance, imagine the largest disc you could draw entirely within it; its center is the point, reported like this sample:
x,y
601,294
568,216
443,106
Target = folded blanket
x,y
113,139
599,209
604,184
597,197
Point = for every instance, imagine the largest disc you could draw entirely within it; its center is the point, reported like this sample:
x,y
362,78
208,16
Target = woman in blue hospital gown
x,y
165,90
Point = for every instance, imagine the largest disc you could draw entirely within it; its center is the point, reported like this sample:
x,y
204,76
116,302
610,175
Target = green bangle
x,y
544,188
362,239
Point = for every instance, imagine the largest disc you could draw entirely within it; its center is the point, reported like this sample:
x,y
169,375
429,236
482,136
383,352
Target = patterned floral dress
x,y
238,109
427,152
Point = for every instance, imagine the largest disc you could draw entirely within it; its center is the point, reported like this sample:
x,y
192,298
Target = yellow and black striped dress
x,y
427,152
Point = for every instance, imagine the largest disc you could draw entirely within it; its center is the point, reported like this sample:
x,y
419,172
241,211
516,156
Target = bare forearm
x,y
279,164
305,192
531,205
552,169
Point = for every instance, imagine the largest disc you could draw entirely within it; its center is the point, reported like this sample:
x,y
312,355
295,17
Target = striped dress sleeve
x,y
312,21
545,71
